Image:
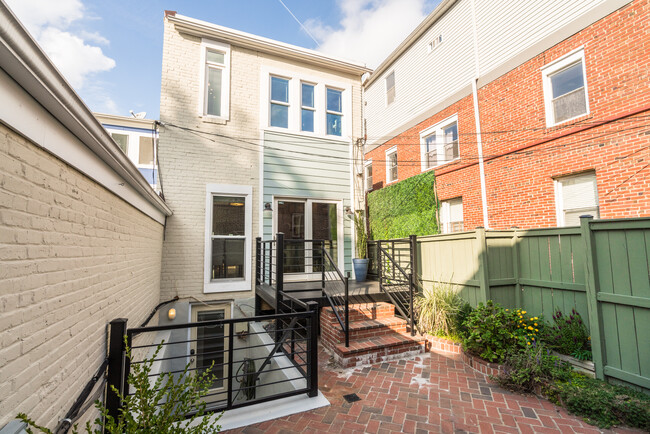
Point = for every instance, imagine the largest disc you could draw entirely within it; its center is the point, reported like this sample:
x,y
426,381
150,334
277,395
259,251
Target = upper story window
x,y
307,107
390,88
122,140
279,102
228,238
435,43
439,143
451,215
565,89
215,79
145,154
391,165
367,175
334,111
576,195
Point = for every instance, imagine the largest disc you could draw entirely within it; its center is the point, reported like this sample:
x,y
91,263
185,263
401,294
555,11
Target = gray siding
x,y
305,167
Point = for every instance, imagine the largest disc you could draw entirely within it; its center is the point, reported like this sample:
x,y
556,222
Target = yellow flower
x,y
535,324
589,338
536,318
536,330
528,343
530,328
523,311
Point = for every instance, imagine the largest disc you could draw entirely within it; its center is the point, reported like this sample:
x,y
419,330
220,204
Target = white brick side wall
x,y
73,256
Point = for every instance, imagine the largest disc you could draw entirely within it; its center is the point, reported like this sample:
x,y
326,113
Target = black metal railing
x,y
238,352
395,267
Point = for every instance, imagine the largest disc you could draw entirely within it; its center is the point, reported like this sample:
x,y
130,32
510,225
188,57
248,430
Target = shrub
x,y
155,406
569,335
437,308
602,404
529,369
492,332
460,325
530,329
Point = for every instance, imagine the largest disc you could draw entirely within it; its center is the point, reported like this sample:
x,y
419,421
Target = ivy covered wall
x,y
405,208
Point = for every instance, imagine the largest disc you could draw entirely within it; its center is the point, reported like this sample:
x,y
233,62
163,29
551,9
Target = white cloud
x,y
72,52
369,29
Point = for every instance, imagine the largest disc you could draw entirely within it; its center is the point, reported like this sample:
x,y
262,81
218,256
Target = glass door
x,y
291,222
324,226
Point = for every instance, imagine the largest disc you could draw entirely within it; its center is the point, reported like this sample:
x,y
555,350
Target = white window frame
x,y
366,165
387,88
569,59
287,104
559,198
435,43
228,285
437,129
341,113
304,107
390,152
209,45
445,214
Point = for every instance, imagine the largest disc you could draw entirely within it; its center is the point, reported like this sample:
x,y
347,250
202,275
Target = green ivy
x,y
405,208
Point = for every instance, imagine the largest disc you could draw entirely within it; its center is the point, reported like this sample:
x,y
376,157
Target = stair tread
x,y
378,342
376,323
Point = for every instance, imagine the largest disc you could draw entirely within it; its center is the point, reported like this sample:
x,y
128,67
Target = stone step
x,y
378,349
361,312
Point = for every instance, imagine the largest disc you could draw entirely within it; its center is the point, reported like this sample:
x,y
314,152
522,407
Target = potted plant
x,y
360,262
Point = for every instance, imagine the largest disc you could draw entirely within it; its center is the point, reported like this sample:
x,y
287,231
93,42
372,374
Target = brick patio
x,y
433,393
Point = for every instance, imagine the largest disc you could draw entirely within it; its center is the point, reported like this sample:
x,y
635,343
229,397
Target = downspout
x,y
477,119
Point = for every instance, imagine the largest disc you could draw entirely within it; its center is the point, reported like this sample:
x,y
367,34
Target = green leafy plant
x,y
404,208
361,235
601,403
155,406
569,335
437,308
492,332
460,320
530,369
529,328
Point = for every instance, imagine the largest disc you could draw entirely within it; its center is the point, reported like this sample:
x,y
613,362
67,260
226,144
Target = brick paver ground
x,y
433,393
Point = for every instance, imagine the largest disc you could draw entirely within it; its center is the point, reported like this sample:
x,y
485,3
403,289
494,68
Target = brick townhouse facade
x,y
563,133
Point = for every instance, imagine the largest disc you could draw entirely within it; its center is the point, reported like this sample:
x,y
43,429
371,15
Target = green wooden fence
x,y
601,269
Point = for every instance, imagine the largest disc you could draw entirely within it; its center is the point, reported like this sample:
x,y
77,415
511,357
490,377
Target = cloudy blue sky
x,y
111,51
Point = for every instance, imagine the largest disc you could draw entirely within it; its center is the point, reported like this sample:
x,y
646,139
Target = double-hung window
x,y
228,238
215,80
367,168
279,102
391,165
439,143
307,107
576,195
565,89
451,215
122,140
334,112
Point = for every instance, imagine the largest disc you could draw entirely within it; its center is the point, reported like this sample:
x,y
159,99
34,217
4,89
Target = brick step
x,y
366,329
361,312
378,349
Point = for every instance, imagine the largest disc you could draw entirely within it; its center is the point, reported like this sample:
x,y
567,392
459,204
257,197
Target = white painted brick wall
x,y
73,256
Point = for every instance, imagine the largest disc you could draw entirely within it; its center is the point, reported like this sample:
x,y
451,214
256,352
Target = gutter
x,y
23,60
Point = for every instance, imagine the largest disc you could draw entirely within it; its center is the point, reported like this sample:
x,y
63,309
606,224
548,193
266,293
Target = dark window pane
x,y
228,215
210,346
334,124
279,116
307,120
324,227
307,95
228,258
291,222
451,133
214,91
334,100
567,80
279,89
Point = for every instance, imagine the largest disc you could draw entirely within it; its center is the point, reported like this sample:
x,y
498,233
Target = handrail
x,y
334,265
345,321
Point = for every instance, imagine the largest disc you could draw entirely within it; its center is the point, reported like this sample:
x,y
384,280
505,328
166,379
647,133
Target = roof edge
x,y
434,16
205,29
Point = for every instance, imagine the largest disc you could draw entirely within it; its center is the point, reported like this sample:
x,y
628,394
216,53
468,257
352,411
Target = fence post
x,y
279,280
230,386
593,309
312,362
347,310
411,310
115,375
379,263
519,297
483,272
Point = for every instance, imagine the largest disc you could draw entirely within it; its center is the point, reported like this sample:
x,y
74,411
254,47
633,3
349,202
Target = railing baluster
x,y
347,311
312,357
230,362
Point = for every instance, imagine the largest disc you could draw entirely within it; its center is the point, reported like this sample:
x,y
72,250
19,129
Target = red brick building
x,y
563,121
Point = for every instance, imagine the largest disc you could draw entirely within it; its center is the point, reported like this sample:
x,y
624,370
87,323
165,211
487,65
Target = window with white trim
x,y
367,175
307,107
439,143
451,215
279,102
228,238
576,195
215,79
391,165
334,112
390,88
435,43
565,89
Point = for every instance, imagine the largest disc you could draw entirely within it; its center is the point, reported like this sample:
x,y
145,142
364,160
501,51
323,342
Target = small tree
x,y
362,235
155,406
